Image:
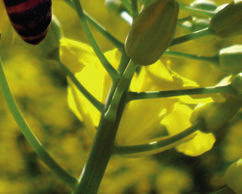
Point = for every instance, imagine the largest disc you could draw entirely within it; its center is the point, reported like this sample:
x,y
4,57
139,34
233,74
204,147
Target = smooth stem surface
x,y
102,148
157,146
109,68
192,36
213,59
164,94
29,135
82,89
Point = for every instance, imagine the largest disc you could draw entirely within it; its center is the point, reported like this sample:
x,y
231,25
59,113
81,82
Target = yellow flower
x,y
70,50
141,119
178,121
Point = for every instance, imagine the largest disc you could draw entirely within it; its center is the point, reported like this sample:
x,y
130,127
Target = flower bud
x,y
215,114
204,4
233,176
230,59
228,21
152,32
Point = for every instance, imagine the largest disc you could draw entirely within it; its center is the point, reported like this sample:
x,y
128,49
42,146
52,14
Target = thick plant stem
x,y
29,135
101,151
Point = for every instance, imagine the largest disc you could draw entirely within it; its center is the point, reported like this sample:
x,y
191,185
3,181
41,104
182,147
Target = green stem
x,y
135,11
29,135
196,11
109,68
99,106
192,36
164,94
101,29
122,85
101,151
213,59
157,146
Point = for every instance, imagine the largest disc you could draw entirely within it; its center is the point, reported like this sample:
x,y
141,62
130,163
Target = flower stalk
x,y
158,145
172,93
212,59
192,36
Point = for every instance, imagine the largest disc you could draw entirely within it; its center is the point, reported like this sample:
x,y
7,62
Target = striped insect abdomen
x,y
30,18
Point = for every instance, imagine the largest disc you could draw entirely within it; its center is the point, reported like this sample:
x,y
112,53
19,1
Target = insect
x,y
30,18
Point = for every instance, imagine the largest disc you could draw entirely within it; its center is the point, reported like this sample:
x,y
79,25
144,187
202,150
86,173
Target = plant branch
x,y
158,145
213,59
99,106
192,36
171,93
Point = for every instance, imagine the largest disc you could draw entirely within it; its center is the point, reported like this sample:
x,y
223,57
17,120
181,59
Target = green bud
x,y
152,32
230,59
228,21
215,114
204,4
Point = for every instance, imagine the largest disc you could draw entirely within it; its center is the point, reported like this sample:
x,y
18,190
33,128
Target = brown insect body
x,y
30,18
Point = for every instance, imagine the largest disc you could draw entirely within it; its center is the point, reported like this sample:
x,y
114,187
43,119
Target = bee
x,y
30,18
